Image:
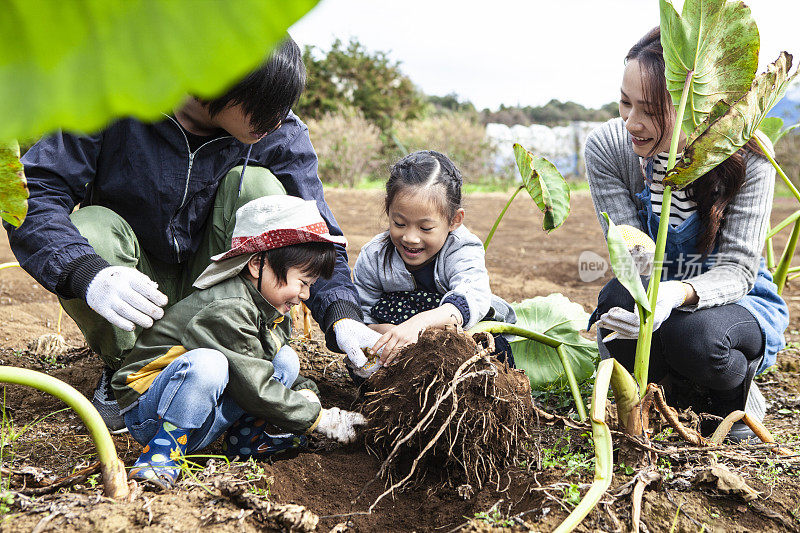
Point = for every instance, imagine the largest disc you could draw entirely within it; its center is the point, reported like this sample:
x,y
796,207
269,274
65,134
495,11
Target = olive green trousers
x,y
114,240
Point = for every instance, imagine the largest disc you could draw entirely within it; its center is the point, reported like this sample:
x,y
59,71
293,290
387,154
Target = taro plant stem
x,y
642,362
782,268
603,449
501,327
500,216
114,478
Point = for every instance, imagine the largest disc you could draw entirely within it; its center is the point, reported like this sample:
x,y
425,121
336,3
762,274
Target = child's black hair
x,y
268,93
315,259
420,170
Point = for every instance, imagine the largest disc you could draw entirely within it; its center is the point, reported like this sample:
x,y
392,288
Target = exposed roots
x,y
49,345
446,406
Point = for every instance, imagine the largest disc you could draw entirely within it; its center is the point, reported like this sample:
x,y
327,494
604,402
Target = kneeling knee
x,y
209,366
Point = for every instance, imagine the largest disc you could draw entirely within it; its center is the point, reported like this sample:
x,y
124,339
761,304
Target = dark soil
x,y
328,479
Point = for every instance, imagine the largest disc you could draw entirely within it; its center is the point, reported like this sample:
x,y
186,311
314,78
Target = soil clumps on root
x,y
447,406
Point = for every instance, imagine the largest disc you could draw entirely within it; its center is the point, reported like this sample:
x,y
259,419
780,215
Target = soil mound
x,y
448,407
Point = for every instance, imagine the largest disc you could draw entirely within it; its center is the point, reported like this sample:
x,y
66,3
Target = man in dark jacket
x,y
158,199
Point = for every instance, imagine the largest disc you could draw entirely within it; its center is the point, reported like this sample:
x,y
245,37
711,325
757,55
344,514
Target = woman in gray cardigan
x,y
718,318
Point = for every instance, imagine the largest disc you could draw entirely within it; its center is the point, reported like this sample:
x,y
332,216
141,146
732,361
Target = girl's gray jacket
x,y
460,270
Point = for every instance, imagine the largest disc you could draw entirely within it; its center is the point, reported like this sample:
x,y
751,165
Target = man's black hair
x,y
313,258
268,93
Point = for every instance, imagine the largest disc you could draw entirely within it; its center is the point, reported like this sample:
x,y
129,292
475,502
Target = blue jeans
x,y
190,393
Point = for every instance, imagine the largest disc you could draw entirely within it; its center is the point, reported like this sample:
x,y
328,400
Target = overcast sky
x,y
516,51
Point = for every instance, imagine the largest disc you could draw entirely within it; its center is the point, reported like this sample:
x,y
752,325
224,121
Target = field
x,y
329,479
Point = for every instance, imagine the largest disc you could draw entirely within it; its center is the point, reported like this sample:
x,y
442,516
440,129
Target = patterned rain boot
x,y
247,438
161,458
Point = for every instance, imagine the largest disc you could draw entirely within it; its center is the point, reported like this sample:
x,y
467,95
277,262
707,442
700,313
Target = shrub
x,y
463,140
347,145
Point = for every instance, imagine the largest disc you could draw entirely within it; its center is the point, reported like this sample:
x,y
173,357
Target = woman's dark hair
x,y
316,259
425,169
714,191
268,93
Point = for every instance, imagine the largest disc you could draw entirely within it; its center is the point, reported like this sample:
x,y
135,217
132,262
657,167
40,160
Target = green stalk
x,y
502,327
771,233
500,217
603,450
778,168
114,478
642,361
786,259
770,251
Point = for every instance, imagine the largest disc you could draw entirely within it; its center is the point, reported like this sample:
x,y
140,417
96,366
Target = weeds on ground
x,y
571,494
562,455
559,397
494,518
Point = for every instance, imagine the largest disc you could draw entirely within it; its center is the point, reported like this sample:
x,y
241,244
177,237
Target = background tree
x,y
352,76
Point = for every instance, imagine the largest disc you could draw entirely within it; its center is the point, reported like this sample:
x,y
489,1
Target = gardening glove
x,y
352,337
671,294
125,297
335,423
340,425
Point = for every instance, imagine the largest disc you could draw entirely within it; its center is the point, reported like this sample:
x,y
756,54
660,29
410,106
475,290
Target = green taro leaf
x,y
546,186
729,127
557,317
13,187
623,265
773,128
78,64
718,41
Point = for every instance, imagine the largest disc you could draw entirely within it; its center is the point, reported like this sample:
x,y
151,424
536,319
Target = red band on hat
x,y
277,238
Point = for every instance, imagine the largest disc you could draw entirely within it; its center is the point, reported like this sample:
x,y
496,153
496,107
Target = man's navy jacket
x,y
147,174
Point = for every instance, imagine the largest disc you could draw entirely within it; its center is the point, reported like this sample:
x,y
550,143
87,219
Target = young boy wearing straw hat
x,y
219,357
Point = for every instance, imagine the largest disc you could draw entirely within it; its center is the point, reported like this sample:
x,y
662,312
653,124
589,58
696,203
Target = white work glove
x,y
340,425
352,337
671,294
335,423
125,297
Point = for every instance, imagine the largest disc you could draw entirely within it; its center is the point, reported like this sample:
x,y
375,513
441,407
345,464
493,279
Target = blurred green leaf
x,y
718,41
557,317
773,128
78,64
729,127
13,187
545,185
623,265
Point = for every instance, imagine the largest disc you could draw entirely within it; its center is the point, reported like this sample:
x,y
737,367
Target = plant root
x,y
758,428
49,345
284,516
446,406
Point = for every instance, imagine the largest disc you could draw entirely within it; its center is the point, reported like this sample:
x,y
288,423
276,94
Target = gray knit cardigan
x,y
614,175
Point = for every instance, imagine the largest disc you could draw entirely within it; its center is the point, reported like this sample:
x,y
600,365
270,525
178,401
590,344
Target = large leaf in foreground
x,y
557,317
13,186
623,265
78,64
718,41
545,185
729,127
